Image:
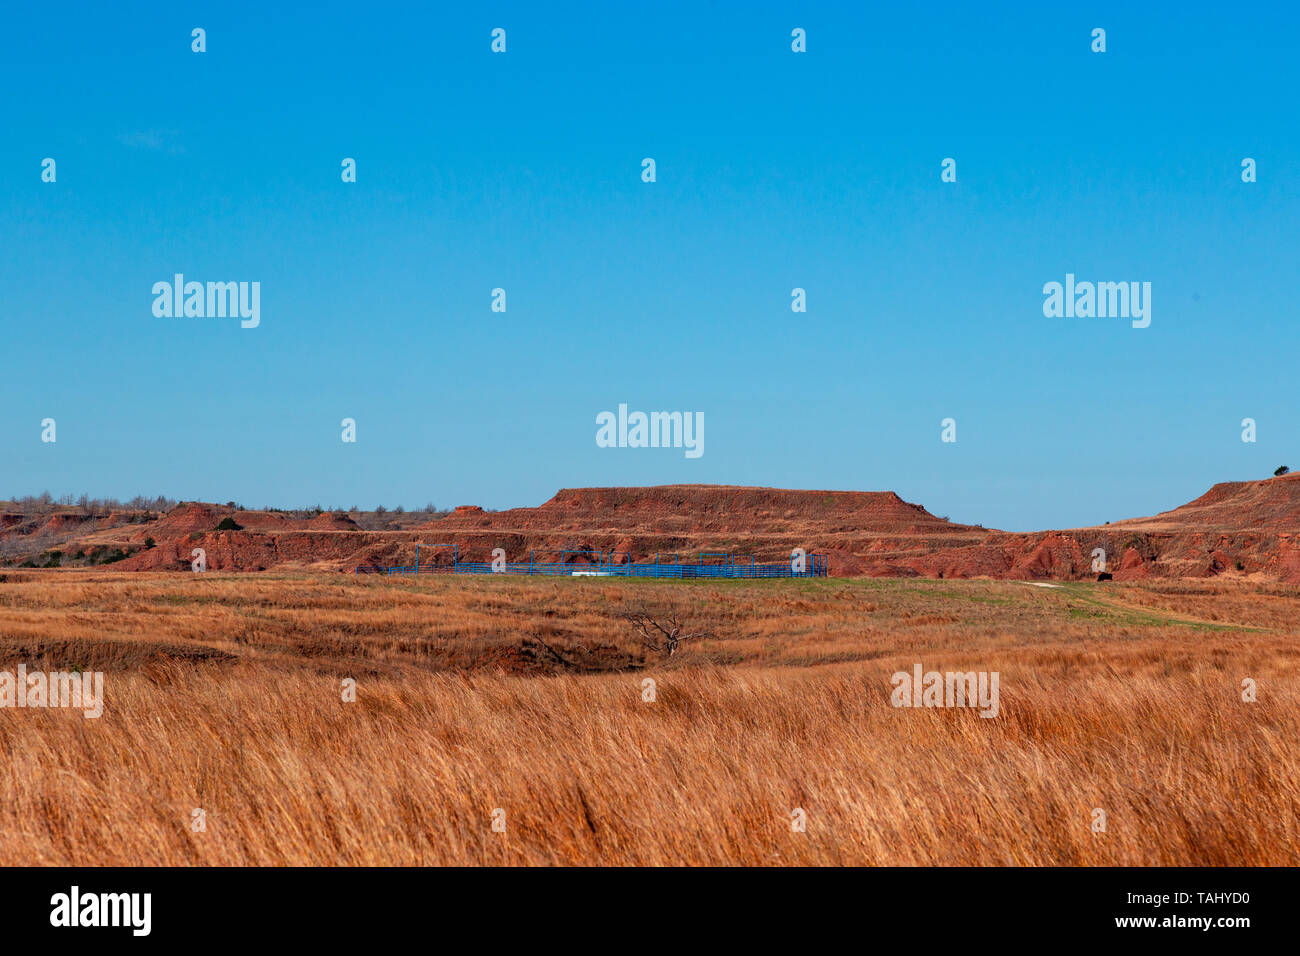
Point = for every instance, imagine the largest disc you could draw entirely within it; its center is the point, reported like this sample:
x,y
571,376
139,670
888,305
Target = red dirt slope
x,y
678,509
1272,504
1236,528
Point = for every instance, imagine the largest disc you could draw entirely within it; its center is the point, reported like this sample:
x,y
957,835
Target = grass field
x,y
473,694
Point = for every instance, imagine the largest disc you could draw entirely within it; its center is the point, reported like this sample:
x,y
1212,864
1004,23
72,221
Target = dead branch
x,y
660,630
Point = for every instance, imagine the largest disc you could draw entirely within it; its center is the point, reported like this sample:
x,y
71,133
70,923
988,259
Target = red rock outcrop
x,y
1236,528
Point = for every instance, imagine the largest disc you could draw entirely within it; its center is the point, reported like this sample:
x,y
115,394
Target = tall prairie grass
x,y
224,694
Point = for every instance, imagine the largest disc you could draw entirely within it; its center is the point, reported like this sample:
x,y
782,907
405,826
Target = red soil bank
x,y
1236,529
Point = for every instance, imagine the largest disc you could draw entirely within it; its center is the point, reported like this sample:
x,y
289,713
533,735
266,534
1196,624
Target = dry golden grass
x,y
476,693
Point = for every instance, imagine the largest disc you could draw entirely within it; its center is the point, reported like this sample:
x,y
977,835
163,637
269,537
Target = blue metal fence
x,y
586,563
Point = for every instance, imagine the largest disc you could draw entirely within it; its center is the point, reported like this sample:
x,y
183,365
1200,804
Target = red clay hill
x,y
1243,528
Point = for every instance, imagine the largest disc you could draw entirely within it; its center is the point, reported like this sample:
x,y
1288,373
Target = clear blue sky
x,y
775,170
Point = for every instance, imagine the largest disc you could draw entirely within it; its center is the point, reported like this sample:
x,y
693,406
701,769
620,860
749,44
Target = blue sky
x,y
775,170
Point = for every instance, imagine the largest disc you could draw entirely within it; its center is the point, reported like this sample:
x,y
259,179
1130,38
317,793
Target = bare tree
x,y
660,630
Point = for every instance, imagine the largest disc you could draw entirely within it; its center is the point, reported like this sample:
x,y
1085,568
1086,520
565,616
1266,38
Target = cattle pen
x,y
583,562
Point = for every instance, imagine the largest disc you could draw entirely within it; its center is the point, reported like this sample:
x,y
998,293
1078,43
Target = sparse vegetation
x,y
45,502
660,630
106,555
223,692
